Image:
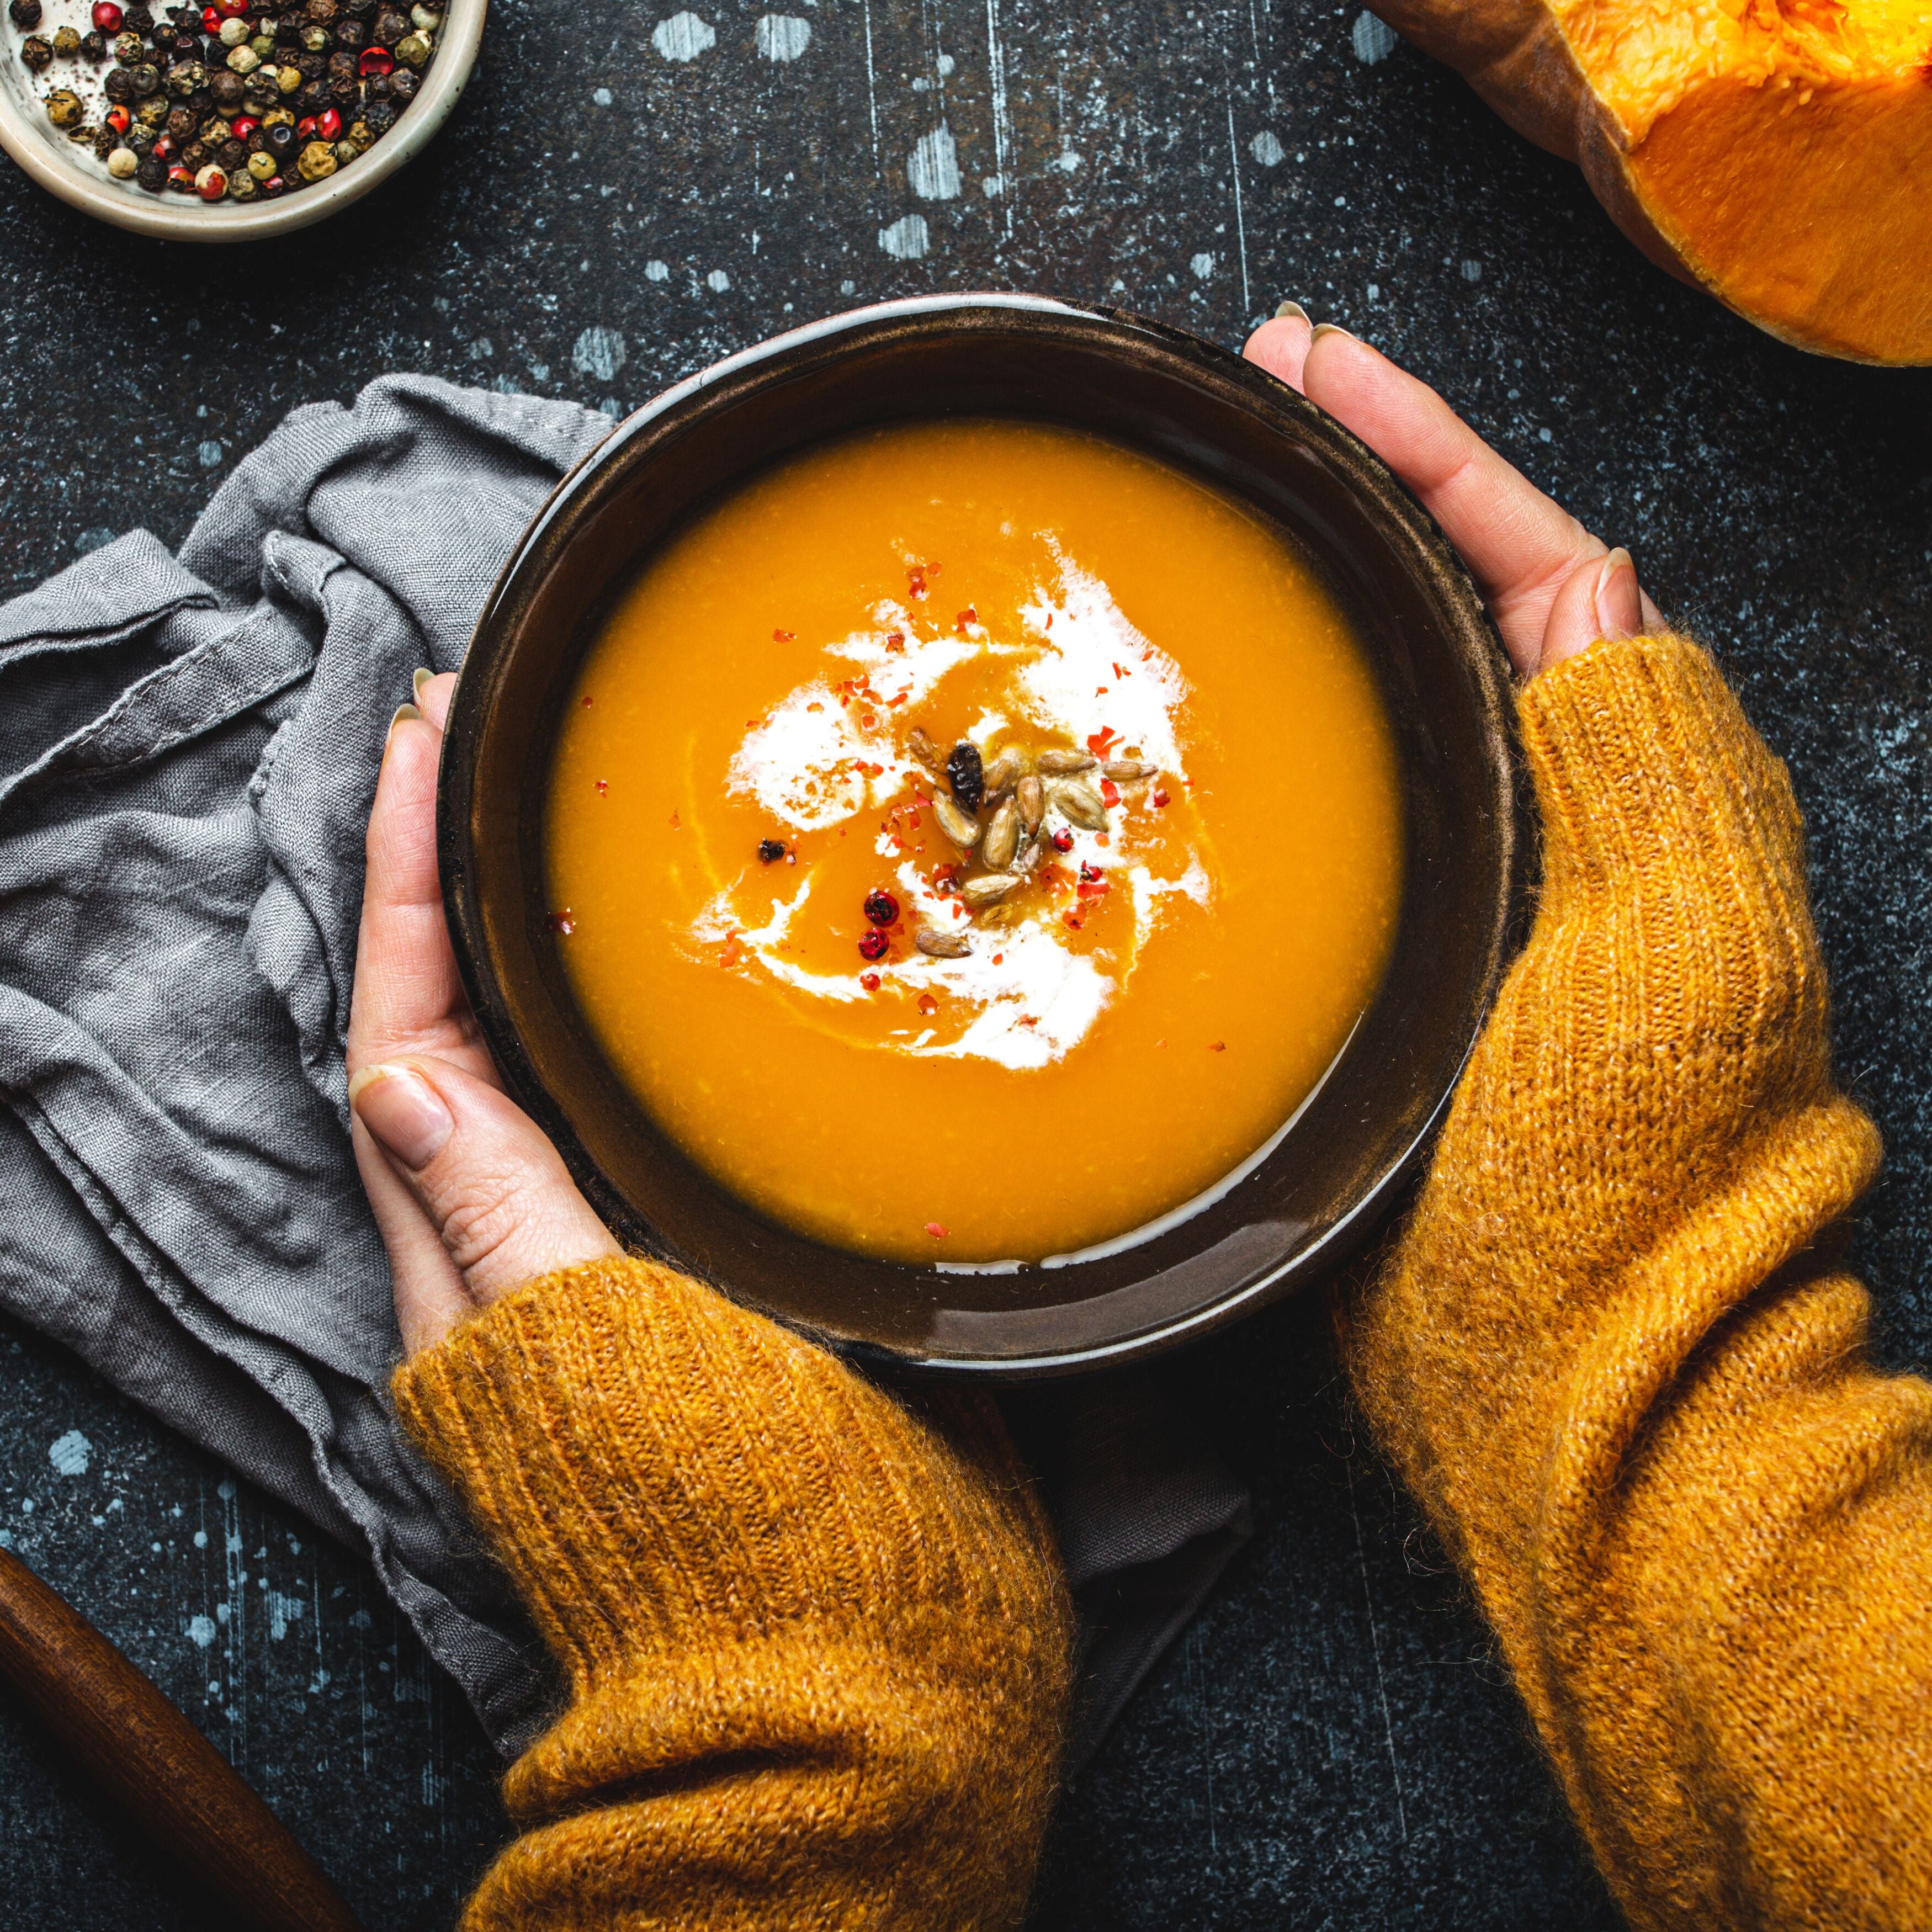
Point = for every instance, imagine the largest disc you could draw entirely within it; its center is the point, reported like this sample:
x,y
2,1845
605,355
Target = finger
x,y
1280,346
408,996
431,1298
1598,599
433,692
485,1173
1520,547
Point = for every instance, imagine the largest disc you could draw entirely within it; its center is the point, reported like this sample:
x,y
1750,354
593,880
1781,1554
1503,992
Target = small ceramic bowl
x,y
1332,1171
79,176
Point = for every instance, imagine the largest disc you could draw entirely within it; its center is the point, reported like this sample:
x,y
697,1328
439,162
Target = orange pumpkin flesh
x,y
1777,152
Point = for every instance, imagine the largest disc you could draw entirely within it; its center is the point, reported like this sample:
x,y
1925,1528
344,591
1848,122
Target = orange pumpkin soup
x,y
972,840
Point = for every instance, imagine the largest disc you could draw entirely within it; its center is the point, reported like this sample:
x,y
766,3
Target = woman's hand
x,y
1553,588
469,1194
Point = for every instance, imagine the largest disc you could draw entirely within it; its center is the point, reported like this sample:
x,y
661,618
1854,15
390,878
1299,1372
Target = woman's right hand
x,y
1553,588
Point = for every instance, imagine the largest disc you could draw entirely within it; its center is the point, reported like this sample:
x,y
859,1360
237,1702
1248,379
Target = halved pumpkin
x,y
1777,152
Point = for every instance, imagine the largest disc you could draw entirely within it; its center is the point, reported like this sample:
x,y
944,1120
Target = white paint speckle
x,y
1266,148
718,281
1543,436
1472,271
657,271
1203,264
201,1632
210,454
1373,40
783,37
482,349
539,372
610,407
683,37
1067,161
933,171
908,238
992,186
68,1453
848,288
600,352
602,98
946,64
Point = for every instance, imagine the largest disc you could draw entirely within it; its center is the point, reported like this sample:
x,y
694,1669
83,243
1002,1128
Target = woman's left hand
x,y
471,1197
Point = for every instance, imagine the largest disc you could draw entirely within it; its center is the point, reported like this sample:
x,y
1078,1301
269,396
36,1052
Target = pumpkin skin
x,y
1779,156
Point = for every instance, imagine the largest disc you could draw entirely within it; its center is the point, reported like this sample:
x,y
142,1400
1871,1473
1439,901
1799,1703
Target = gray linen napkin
x,y
188,747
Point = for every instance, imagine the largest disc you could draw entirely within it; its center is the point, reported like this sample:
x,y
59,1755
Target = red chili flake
x,y
999,959
1110,793
870,981
732,951
560,922
869,719
1160,1043
674,826
813,706
784,637
946,878
586,704
916,581
928,1005
1097,742
1161,798
894,702
937,1229
1062,840
1217,1046
1093,892
873,771
603,787
1075,923
1120,670
896,640
968,616
873,944
881,908
1100,691
1103,838
1027,1019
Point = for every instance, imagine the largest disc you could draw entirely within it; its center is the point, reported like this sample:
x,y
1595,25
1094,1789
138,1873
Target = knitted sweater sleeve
x,y
817,1643
1614,1354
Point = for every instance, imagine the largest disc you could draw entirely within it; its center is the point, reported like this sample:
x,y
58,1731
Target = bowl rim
x,y
162,216
462,738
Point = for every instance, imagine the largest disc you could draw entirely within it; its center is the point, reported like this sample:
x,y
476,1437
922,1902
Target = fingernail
x,y
1291,311
1322,329
402,711
404,1113
1618,602
423,676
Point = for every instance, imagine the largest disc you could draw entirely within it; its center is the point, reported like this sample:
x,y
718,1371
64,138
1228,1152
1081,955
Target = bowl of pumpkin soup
x,y
986,828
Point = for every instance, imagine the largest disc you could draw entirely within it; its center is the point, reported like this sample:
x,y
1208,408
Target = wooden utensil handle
x,y
165,1779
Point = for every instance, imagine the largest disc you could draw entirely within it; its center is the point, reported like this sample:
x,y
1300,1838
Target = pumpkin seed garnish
x,y
1031,796
1059,764
1126,770
1078,803
938,944
989,889
1003,835
959,827
1005,770
927,752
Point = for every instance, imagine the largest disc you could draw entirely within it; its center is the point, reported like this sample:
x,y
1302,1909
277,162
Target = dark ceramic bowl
x,y
1336,1168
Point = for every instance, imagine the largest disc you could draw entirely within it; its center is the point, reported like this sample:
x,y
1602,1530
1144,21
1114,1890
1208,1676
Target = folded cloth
x,y
188,748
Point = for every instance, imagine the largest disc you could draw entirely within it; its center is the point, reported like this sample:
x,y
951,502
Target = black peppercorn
x,y
181,123
187,77
310,67
194,157
145,79
36,52
389,29
94,47
341,64
152,174
201,100
322,12
342,88
379,117
312,98
376,88
349,35
280,140
770,851
225,90
232,155
24,14
119,86
403,85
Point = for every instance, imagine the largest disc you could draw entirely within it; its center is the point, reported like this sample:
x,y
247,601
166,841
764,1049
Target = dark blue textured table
x,y
1334,1743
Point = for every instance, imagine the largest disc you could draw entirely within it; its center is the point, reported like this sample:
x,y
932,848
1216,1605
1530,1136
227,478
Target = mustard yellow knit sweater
x,y
817,1645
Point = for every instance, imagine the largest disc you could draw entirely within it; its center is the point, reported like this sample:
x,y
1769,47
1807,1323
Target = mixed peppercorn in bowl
x,y
234,99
